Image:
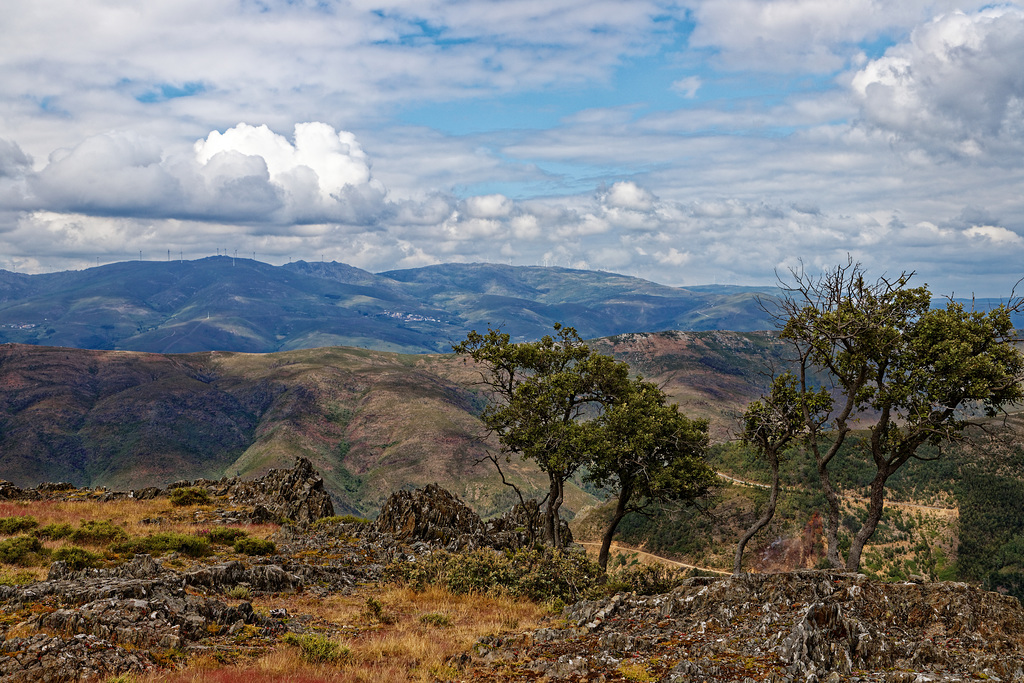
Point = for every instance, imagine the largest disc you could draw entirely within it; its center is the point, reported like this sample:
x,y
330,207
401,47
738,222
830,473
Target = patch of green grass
x,y
254,546
436,619
317,649
158,544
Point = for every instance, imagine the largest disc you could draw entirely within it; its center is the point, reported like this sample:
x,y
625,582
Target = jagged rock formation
x,y
95,623
434,515
295,494
431,515
804,626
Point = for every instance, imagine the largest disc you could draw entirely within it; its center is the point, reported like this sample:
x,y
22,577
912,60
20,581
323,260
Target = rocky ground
x,y
811,626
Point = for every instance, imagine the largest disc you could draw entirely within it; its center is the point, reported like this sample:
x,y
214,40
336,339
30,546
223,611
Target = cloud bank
x,y
688,143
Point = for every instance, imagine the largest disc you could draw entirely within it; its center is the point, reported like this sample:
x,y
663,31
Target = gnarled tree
x,y
909,373
651,452
771,425
545,396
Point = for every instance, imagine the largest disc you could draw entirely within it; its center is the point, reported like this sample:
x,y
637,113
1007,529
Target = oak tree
x,y
907,372
544,398
651,453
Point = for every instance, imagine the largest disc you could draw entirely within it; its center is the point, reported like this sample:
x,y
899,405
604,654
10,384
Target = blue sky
x,y
685,141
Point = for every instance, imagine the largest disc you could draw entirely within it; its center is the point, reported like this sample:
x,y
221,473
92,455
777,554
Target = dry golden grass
x,y
127,514
407,649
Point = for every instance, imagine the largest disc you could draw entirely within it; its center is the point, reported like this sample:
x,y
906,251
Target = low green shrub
x,y
97,532
56,531
158,544
317,649
26,551
254,546
645,579
436,619
239,593
75,557
189,495
375,612
224,535
15,525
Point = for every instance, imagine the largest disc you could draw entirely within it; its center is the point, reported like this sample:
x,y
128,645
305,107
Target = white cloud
x,y
687,87
629,195
819,36
995,234
955,88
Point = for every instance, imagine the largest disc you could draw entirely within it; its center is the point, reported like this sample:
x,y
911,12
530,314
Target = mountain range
x,y
236,304
372,422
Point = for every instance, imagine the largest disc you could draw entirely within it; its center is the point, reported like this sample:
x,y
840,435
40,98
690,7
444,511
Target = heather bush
x,y
26,551
158,544
10,526
75,557
56,531
189,495
97,532
223,535
254,546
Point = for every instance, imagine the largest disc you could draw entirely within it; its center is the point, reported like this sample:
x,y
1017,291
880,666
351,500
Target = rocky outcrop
x,y
95,623
432,515
806,626
297,494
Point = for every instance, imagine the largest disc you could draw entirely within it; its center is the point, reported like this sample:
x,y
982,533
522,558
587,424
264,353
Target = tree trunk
x,y
832,519
625,493
874,516
762,522
549,512
552,522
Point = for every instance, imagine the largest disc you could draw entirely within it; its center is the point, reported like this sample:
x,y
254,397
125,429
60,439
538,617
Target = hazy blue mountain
x,y
235,304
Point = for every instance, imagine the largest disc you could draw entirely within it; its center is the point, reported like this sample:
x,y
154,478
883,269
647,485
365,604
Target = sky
x,y
687,142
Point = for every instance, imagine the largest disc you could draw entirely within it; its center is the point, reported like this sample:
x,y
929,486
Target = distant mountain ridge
x,y
234,304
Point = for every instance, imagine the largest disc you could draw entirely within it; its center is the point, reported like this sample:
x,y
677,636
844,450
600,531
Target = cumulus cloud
x,y
247,174
803,35
956,88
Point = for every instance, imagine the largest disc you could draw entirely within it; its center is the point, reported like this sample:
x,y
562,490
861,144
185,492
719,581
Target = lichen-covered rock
x,y
800,626
297,494
433,515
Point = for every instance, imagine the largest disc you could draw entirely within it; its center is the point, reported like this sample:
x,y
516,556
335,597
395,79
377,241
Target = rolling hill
x,y
371,421
227,304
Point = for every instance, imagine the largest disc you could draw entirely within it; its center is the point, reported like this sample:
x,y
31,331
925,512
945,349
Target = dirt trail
x,y
594,547
935,511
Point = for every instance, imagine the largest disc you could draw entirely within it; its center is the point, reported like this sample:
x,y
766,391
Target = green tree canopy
x,y
650,452
909,373
545,396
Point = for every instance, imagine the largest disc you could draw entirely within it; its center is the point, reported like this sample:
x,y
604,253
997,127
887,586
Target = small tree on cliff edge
x,y
651,452
544,398
911,373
